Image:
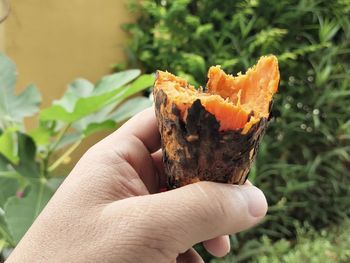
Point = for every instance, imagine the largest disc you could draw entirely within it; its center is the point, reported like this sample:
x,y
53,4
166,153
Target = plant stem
x,y
64,156
46,160
7,236
59,138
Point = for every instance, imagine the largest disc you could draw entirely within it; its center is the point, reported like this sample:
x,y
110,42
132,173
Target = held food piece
x,y
213,134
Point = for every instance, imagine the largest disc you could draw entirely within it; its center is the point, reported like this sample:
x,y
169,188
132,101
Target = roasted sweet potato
x,y
213,134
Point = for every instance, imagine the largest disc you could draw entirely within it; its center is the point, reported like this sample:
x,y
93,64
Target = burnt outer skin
x,y
195,150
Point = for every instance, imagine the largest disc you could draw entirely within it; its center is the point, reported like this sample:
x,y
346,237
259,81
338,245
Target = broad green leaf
x,y
5,163
115,81
4,230
20,213
27,166
14,108
7,145
8,188
83,107
97,117
143,82
40,135
96,127
80,88
102,115
103,95
130,108
26,104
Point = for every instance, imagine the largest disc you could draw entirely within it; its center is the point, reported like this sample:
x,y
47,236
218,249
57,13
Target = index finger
x,y
143,126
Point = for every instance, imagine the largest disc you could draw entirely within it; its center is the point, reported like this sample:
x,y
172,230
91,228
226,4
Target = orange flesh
x,y
230,99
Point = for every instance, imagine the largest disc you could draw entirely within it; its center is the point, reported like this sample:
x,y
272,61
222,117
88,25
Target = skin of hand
x,y
109,208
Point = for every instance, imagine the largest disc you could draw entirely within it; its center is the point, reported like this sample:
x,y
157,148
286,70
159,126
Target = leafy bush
x,y
303,162
27,158
327,246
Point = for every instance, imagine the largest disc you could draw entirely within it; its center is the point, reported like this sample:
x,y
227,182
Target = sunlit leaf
x,y
74,106
130,108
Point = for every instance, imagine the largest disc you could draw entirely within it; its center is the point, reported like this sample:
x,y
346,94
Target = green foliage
x,y
326,246
21,212
27,165
303,162
14,108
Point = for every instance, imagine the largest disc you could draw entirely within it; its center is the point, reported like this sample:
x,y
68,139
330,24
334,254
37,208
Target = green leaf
x,y
20,213
138,85
5,163
82,108
26,104
27,166
4,230
74,108
102,115
80,88
7,145
96,127
14,108
115,81
8,74
130,108
8,188
97,117
40,135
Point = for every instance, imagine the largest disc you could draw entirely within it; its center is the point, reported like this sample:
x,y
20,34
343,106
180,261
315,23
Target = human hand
x,y
109,208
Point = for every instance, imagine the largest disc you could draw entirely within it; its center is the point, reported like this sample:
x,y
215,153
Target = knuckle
x,y
222,202
212,200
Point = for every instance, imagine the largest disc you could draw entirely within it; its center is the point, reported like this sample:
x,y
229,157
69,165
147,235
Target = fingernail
x,y
257,203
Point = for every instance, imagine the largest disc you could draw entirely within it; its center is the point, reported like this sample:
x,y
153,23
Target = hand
x,y
109,210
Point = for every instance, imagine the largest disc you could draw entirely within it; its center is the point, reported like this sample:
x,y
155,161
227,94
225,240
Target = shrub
x,y
28,158
327,246
303,162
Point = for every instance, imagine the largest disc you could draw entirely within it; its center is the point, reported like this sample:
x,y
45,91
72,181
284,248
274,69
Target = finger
x,y
190,256
206,210
158,164
133,143
219,246
132,150
143,126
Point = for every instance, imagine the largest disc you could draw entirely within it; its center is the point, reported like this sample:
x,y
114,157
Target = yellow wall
x,y
2,38
55,41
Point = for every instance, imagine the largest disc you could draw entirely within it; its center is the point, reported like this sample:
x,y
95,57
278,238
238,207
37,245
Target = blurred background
x,y
53,42
304,160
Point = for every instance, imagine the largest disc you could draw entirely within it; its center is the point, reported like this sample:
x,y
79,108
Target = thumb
x,y
206,210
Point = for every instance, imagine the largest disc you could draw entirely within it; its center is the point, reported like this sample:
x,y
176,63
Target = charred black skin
x,y
203,152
